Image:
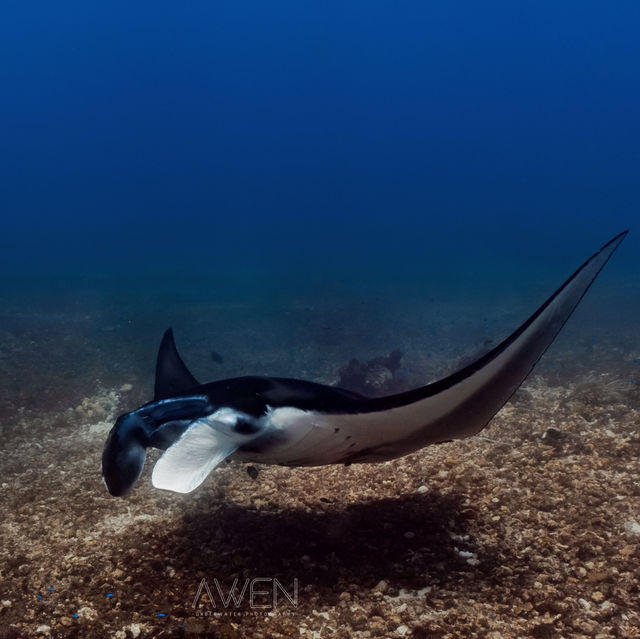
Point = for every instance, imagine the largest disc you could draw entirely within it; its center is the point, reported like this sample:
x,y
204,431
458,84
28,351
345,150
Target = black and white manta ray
x,y
290,422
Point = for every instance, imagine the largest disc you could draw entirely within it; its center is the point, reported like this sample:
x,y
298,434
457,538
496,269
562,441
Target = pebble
x,y
135,630
381,586
125,388
44,629
377,627
633,527
87,613
409,535
423,489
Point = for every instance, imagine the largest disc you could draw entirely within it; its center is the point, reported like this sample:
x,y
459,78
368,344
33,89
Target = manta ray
x,y
292,422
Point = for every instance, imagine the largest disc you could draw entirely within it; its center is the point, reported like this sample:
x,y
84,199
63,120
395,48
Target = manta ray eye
x,y
244,426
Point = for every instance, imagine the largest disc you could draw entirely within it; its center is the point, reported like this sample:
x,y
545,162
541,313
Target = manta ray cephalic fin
x,y
187,462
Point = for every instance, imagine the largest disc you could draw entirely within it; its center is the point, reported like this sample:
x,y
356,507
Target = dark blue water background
x,y
296,183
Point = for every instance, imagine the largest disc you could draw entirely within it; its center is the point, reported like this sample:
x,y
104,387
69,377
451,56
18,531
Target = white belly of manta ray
x,y
297,423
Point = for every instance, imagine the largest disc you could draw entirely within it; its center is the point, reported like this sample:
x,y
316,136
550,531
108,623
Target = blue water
x,y
291,185
296,183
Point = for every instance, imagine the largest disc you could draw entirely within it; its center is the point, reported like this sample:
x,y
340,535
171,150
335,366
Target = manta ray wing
x,y
458,406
